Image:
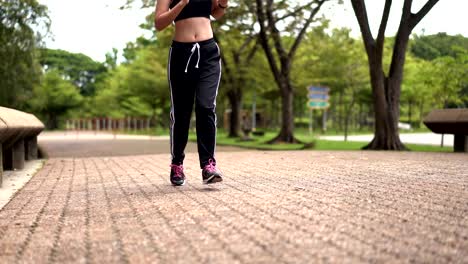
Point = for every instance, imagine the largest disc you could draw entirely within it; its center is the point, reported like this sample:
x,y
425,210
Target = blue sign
x,y
318,89
318,105
318,97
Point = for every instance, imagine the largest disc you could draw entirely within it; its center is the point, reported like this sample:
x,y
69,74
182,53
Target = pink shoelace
x,y
178,169
210,167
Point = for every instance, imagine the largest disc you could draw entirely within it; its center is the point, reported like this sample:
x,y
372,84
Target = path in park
x,y
273,207
89,144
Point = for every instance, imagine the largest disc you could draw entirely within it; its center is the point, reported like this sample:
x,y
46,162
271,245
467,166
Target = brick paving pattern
x,y
273,207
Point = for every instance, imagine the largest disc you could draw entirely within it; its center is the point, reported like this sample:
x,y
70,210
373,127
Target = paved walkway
x,y
15,180
273,207
89,144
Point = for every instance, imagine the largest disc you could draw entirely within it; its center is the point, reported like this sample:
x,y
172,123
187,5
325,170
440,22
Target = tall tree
x,y
147,80
54,97
138,88
338,61
414,85
438,45
238,42
386,88
452,74
21,26
280,55
79,68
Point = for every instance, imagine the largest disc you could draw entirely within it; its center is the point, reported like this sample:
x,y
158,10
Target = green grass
x,y
259,143
334,132
331,132
428,148
350,145
301,134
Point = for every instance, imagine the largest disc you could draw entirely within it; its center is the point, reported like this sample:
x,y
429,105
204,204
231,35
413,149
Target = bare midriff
x,y
193,29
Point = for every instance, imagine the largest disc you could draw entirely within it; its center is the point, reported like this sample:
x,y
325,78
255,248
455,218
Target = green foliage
x,y
319,144
143,3
439,83
148,78
439,45
338,61
54,97
111,59
245,68
139,88
452,76
79,68
21,23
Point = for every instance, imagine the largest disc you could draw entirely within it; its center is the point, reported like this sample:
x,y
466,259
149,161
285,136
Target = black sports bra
x,y
195,8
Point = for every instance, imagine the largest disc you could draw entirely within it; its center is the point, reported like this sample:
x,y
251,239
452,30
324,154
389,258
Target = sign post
x,y
324,120
311,119
318,99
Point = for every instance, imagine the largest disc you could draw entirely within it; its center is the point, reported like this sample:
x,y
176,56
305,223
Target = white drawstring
x,y
195,46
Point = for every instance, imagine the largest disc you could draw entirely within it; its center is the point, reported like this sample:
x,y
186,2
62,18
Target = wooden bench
x,y
18,139
450,121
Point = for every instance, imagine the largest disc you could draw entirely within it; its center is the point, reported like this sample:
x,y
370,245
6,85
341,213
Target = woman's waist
x,y
189,45
193,30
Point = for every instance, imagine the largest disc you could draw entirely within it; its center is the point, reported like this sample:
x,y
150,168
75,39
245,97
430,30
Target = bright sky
x,y
94,27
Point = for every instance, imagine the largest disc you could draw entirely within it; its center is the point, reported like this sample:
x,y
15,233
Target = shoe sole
x,y
178,184
213,179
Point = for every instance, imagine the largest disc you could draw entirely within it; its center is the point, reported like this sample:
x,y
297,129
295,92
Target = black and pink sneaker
x,y
177,175
211,174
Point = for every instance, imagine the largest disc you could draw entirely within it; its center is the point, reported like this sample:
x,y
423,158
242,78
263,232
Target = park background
x,y
130,82
105,197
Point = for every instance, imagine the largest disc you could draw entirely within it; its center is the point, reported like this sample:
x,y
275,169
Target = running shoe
x,y
177,175
211,174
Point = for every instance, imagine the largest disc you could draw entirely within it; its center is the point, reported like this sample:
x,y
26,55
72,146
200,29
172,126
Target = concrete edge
x,y
14,181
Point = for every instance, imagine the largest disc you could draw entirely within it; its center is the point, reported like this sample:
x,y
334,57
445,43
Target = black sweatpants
x,y
194,72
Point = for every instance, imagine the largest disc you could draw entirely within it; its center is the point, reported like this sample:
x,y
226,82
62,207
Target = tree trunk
x,y
340,111
286,133
410,108
346,127
235,100
386,112
53,121
421,112
360,119
302,103
386,91
355,121
153,118
272,118
164,122
348,113
281,62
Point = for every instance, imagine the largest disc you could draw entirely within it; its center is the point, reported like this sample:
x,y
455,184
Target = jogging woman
x,y
194,73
